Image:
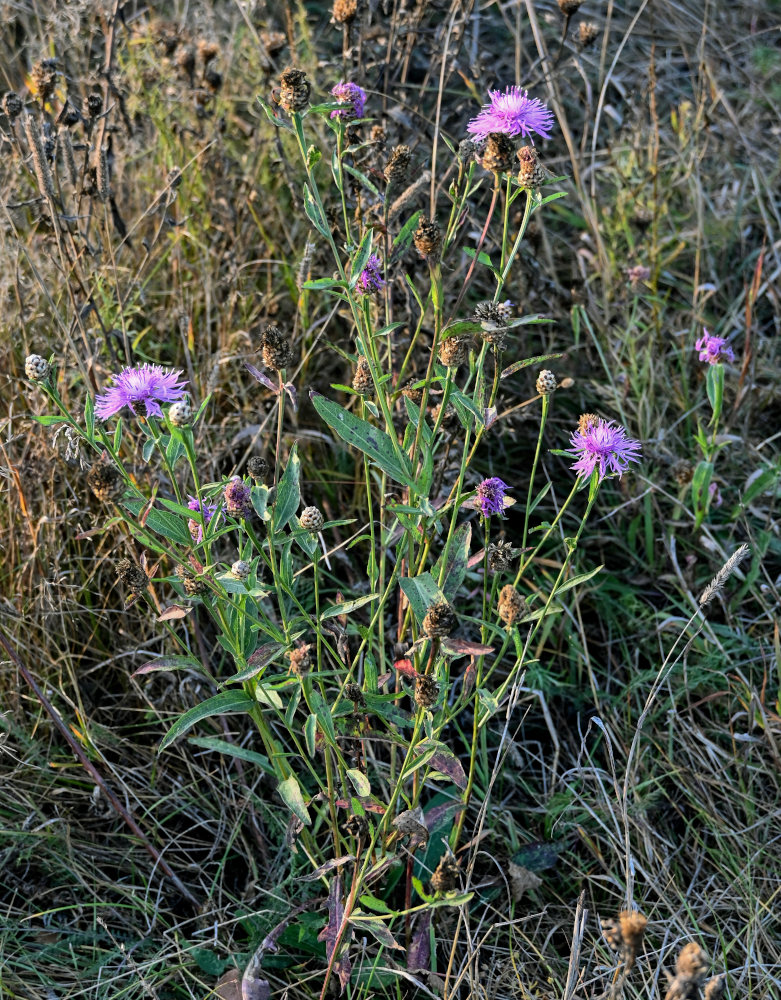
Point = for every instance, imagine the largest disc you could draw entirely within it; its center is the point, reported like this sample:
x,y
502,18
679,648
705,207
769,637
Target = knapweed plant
x,y
371,700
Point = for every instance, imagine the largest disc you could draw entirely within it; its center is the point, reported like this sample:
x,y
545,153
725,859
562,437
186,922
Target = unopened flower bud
x,y
36,368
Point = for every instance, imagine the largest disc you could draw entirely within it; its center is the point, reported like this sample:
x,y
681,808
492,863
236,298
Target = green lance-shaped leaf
x,y
226,703
288,491
291,794
363,436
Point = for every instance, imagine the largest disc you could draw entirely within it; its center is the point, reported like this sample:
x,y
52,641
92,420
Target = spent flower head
x,y
207,509
713,349
370,279
514,113
148,384
490,495
603,445
354,99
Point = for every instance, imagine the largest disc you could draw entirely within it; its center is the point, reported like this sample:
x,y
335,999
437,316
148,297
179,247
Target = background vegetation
x,y
618,773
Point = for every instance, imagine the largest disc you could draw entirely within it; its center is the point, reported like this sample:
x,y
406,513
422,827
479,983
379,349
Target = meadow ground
x,y
424,641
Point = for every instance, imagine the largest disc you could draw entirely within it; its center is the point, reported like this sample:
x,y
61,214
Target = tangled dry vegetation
x,y
156,208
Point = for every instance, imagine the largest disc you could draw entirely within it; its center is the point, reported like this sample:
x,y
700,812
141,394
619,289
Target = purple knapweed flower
x,y
514,113
354,99
370,279
238,500
149,384
713,349
207,509
490,496
603,445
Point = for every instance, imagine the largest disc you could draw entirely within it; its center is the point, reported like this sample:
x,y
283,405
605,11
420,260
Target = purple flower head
x,y
490,494
514,113
238,500
603,445
207,509
370,279
713,349
149,384
715,496
354,99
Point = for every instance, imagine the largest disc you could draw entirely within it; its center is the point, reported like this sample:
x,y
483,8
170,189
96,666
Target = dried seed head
x,y
511,606
180,413
185,59
633,925
240,569
208,49
568,7
36,368
683,472
445,875
426,691
500,556
345,11
715,988
274,41
454,352
428,239
357,826
275,349
587,33
611,930
257,468
586,421
692,961
546,383
530,171
497,153
94,104
299,658
311,519
487,312
43,172
12,105
355,694
294,90
378,136
440,620
466,150
43,77
408,390
449,417
238,502
105,480
193,585
132,576
363,382
398,164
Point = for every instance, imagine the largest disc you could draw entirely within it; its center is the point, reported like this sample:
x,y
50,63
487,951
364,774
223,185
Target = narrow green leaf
x,y
516,366
362,178
232,750
457,562
313,213
170,526
324,718
225,703
288,491
345,607
310,732
577,580
89,415
363,436
260,659
47,419
361,257
290,792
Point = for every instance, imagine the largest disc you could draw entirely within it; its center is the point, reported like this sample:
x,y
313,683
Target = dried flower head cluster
x,y
512,112
299,659
426,691
712,349
440,620
625,935
105,480
500,556
428,239
344,11
398,164
445,876
148,384
257,468
454,351
511,606
691,968
275,349
352,97
133,577
603,446
363,383
294,90
193,585
531,173
497,153
490,496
